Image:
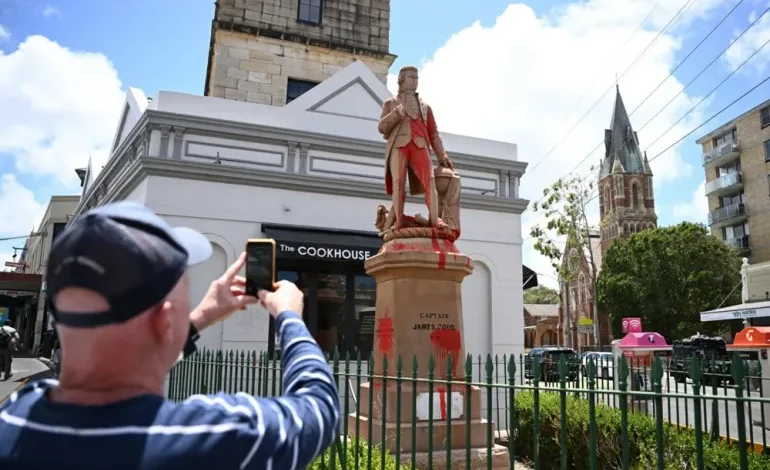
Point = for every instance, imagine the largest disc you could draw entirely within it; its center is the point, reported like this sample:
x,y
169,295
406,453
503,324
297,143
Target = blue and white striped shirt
x,y
148,432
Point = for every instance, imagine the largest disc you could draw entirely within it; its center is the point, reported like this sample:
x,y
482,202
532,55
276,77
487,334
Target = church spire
x,y
620,140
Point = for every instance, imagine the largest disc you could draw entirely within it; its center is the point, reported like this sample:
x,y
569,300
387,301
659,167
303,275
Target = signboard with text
x,y
323,252
739,312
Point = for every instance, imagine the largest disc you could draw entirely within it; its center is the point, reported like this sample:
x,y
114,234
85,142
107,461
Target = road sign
x,y
12,264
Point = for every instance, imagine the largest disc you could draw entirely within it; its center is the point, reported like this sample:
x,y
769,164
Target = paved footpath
x,y
23,369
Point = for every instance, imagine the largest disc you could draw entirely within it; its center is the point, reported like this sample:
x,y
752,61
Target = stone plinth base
x,y
458,402
479,459
478,433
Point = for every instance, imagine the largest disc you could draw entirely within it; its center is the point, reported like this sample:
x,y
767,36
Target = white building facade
x,y
310,175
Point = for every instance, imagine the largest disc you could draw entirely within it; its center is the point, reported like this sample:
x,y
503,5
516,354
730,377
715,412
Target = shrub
x,y
679,444
324,462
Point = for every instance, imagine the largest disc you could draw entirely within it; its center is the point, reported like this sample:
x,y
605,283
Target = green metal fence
x,y
497,410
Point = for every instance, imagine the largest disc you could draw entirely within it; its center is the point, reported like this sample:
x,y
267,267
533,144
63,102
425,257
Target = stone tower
x,y
272,51
626,199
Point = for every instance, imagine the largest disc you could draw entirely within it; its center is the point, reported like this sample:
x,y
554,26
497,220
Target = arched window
x,y
625,229
582,288
635,196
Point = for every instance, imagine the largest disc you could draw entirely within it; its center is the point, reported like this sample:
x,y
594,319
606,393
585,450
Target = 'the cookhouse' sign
x,y
350,247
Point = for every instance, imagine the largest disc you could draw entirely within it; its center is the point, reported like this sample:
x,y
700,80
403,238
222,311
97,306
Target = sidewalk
x,y
24,368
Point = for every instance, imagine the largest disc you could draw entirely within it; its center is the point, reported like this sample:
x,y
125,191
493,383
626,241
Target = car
x,y
712,352
549,359
604,361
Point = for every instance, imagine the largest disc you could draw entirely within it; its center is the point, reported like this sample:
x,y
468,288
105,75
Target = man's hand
x,y
225,295
446,162
286,297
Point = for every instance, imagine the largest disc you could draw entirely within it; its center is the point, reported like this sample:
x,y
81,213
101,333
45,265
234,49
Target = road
x,y
23,368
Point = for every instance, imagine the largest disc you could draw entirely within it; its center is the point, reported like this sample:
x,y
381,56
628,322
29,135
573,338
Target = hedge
x,y
324,462
679,443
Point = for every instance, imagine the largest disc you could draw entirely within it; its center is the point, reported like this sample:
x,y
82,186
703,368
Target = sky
x,y
540,74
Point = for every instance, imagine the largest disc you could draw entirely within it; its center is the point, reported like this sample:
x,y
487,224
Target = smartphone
x,y
260,265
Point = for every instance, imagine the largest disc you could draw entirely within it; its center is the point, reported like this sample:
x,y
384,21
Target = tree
x,y
541,295
565,205
667,277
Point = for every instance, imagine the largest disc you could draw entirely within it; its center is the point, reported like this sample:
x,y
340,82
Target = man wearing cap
x,y
119,291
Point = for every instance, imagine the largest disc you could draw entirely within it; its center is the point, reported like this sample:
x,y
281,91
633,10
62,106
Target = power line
x,y
665,28
732,103
681,91
32,235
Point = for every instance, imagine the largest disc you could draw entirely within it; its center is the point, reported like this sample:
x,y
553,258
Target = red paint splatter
x,y
385,333
446,343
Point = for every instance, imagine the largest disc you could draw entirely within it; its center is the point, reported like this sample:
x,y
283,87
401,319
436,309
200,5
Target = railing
x,y
720,151
727,212
723,182
546,414
739,243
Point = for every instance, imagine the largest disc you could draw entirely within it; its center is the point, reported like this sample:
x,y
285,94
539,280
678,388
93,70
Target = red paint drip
x,y
446,343
442,402
385,333
441,253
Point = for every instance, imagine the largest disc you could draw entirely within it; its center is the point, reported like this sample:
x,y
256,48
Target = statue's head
x,y
407,78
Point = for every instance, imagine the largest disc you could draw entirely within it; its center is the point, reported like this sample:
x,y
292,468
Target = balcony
x,y
732,214
740,243
722,155
724,184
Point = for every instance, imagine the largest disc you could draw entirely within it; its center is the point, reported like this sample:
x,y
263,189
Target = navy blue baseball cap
x,y
124,252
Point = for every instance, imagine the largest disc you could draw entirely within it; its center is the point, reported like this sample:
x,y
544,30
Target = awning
x,y
328,245
530,278
738,312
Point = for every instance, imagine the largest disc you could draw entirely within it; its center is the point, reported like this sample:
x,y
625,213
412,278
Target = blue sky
x,y
163,45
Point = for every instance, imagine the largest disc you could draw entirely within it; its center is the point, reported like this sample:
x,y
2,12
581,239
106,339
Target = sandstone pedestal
x,y
419,314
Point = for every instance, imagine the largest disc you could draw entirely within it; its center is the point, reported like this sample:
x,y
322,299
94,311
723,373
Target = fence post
x,y
739,375
624,399
696,373
563,370
511,410
657,376
592,413
536,413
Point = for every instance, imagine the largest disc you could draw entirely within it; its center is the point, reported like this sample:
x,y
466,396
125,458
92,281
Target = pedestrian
x,y
9,339
119,292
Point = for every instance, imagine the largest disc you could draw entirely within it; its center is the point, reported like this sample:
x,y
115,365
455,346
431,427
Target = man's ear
x,y
161,322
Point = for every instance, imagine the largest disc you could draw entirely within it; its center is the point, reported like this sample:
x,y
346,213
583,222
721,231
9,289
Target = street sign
x,y
585,325
12,264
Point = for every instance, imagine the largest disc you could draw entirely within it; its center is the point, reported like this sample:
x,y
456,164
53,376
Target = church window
x,y
625,229
635,196
296,88
310,11
649,187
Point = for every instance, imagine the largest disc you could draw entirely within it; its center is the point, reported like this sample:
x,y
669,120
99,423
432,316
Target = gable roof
x,y
135,105
352,92
621,142
542,310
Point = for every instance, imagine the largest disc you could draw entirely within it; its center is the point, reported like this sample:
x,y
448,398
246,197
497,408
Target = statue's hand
x,y
400,111
446,162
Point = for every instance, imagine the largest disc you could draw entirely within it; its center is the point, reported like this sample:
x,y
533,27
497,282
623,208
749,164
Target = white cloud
x,y
50,11
66,107
752,40
517,79
5,34
20,211
696,210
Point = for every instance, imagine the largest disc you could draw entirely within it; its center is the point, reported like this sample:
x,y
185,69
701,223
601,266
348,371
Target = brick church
x,y
626,206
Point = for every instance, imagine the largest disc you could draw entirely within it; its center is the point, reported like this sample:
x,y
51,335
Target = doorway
x,y
339,301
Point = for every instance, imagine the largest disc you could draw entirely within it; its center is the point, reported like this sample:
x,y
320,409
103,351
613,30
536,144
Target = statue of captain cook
x,y
408,124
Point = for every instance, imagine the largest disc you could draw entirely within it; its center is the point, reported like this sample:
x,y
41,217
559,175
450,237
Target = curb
x,y
23,383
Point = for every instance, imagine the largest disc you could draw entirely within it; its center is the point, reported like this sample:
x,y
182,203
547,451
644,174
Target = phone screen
x,y
259,266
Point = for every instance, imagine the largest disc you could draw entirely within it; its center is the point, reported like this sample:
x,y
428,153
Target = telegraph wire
x,y
734,41
683,89
32,235
598,76
724,18
660,33
713,116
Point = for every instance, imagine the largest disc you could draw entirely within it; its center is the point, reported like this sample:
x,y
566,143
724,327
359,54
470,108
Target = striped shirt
x,y
148,432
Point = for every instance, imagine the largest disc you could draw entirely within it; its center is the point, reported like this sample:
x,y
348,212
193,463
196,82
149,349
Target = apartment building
x,y
736,156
